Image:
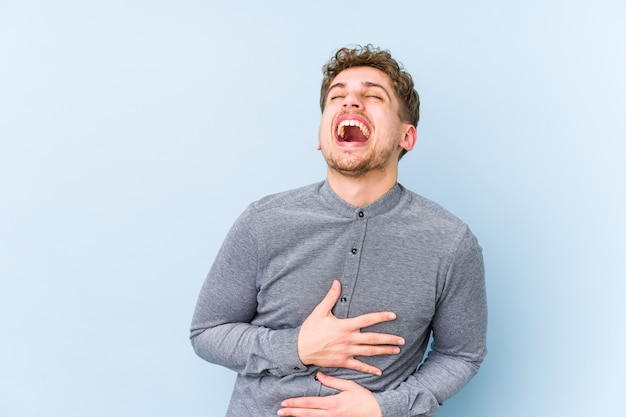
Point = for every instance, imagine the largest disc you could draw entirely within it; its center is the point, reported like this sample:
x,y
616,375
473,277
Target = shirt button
x,y
361,214
344,299
354,251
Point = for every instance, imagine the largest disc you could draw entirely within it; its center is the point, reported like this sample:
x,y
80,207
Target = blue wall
x,y
133,133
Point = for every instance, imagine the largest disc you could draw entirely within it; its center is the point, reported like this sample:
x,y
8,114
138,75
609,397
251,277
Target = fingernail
x,y
401,341
392,316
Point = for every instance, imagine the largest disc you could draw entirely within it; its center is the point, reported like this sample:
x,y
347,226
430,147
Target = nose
x,y
352,101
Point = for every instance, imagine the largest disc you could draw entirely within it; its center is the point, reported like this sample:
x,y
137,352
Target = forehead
x,y
363,76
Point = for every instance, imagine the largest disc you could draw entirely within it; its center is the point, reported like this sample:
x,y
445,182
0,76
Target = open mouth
x,y
352,130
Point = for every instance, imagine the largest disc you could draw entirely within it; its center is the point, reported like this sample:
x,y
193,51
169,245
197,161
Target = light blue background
x,y
133,133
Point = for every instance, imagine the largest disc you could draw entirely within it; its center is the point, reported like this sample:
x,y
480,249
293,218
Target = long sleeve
x,y
459,340
221,330
401,253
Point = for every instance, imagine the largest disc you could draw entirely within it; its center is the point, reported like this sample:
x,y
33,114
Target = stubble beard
x,y
351,164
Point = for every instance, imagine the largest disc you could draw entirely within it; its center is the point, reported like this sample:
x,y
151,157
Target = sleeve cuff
x,y
285,352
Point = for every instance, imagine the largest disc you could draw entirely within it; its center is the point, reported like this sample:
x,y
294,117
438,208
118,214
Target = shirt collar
x,y
380,206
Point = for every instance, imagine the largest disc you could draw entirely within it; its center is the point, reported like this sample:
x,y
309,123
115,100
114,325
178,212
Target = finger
x,y
301,412
302,406
376,339
304,402
370,350
329,301
334,382
359,366
370,319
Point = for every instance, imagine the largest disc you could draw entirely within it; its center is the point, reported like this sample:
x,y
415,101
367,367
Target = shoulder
x,y
287,198
274,209
428,215
428,210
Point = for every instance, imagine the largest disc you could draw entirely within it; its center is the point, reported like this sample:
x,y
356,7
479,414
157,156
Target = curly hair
x,y
370,56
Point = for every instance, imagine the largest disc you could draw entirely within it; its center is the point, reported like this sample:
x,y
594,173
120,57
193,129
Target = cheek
x,y
325,127
321,133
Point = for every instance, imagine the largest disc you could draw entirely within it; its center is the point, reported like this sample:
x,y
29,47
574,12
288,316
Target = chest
x,y
380,269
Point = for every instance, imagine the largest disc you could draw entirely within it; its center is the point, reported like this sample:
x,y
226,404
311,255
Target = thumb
x,y
326,305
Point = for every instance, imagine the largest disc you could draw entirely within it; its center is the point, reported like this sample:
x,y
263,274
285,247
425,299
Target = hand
x,y
326,341
352,401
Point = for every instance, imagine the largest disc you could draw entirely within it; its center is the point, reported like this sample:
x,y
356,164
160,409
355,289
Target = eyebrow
x,y
371,84
367,84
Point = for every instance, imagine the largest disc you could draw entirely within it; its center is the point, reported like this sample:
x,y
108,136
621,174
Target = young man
x,y
398,266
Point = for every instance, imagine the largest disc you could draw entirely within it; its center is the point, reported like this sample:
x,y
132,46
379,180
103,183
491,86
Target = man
x,y
323,298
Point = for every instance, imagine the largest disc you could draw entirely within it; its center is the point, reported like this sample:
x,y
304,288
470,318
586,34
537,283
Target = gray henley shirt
x,y
402,253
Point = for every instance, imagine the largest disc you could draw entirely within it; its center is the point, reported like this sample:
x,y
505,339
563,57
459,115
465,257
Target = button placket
x,y
352,265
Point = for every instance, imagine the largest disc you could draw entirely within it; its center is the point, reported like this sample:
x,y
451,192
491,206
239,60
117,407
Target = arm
x,y
459,330
459,339
221,329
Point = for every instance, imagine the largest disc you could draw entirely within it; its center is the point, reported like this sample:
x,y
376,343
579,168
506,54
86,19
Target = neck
x,y
362,190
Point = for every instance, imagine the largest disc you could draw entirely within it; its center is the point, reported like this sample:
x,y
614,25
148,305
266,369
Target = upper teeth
x,y
342,127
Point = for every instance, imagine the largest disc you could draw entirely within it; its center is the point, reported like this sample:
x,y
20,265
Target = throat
x,y
361,190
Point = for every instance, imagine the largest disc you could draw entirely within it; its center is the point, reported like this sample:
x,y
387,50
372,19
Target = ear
x,y
410,137
319,145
